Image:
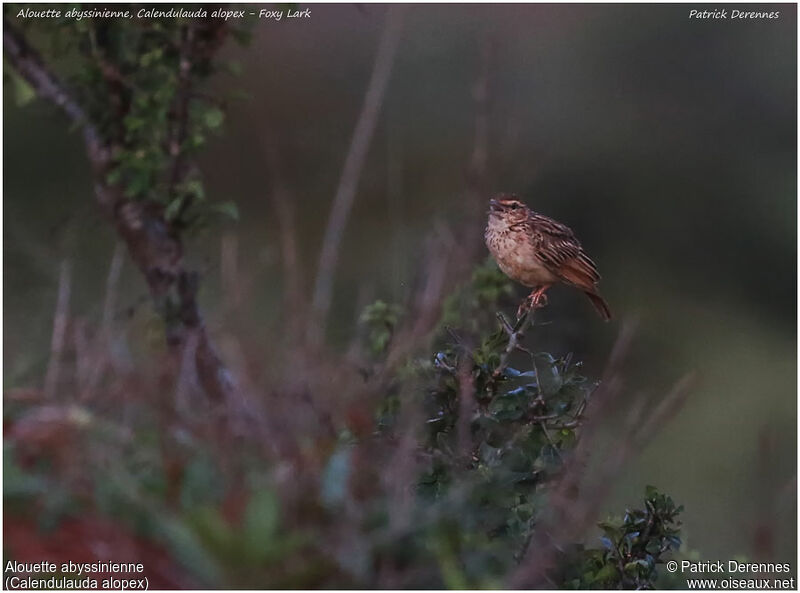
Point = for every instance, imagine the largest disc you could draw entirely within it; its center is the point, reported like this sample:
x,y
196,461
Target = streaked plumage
x,y
537,251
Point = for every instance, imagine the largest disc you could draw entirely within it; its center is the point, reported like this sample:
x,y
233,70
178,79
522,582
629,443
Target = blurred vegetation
x,y
669,146
463,520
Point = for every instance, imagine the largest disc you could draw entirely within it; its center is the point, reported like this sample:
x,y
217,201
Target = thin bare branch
x,y
186,377
405,463
60,319
666,409
112,282
100,350
427,300
351,173
479,162
283,204
229,270
466,408
515,335
28,63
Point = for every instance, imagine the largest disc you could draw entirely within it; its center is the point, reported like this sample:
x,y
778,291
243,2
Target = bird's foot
x,y
535,300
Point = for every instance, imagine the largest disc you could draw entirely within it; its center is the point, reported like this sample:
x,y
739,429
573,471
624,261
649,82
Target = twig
x,y
550,440
114,272
283,204
186,375
404,463
504,322
466,405
59,331
28,63
229,271
101,348
479,162
351,173
515,335
394,200
425,307
666,408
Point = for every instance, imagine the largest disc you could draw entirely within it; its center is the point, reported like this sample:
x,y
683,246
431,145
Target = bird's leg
x,y
538,297
533,301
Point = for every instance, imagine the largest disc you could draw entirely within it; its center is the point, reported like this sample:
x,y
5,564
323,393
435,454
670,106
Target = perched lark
x,y
537,252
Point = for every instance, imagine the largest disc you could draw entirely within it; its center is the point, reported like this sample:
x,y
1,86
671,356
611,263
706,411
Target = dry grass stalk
x,y
351,173
58,338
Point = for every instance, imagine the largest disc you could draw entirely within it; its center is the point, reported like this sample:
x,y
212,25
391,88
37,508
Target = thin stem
x,y
550,440
29,64
504,322
516,334
351,174
58,337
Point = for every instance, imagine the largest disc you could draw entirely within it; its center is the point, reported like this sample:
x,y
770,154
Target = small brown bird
x,y
537,252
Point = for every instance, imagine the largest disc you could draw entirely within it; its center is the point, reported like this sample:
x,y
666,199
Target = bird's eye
x,y
514,206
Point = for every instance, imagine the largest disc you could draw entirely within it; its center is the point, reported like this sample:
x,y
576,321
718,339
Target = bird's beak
x,y
494,205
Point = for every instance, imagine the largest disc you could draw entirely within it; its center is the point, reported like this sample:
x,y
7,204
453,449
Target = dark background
x,y
667,144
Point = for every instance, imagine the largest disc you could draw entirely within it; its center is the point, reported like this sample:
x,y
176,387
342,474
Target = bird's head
x,y
508,209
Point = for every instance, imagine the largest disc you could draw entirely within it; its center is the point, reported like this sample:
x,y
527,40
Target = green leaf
x,y
114,176
133,123
188,550
193,188
213,118
212,528
640,565
173,209
260,523
227,209
605,574
201,483
139,184
23,92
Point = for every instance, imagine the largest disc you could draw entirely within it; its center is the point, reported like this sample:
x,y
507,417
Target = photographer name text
x,y
733,15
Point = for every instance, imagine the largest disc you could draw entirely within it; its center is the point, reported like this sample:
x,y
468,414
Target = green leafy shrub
x,y
633,547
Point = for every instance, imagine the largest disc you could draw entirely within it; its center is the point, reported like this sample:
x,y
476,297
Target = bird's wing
x,y
562,253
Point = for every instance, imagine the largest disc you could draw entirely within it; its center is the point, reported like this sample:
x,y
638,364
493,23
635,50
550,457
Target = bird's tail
x,y
600,304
